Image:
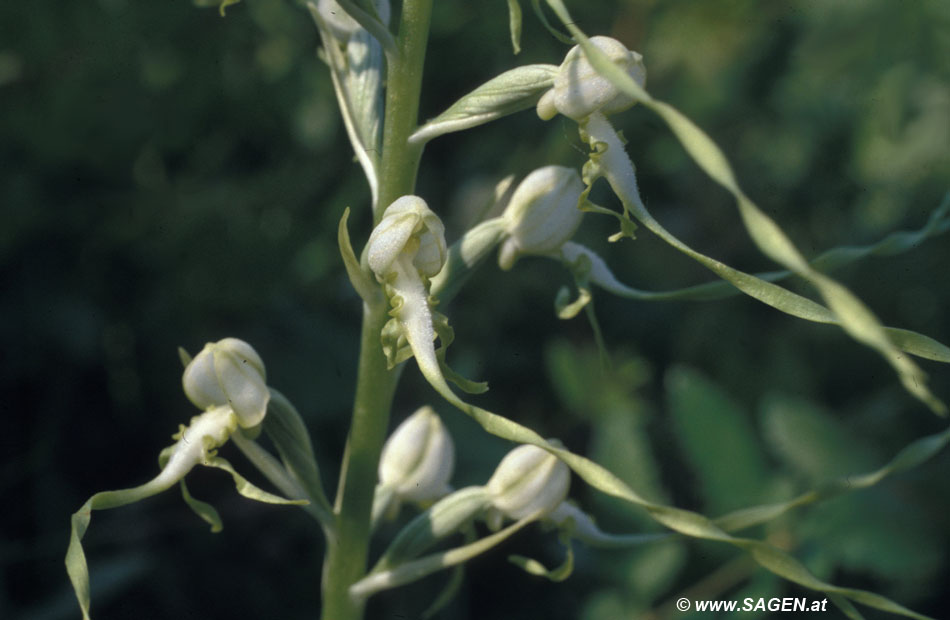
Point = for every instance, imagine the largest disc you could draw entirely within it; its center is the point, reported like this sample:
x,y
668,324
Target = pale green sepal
x,y
512,91
417,569
247,489
465,255
514,24
444,518
206,511
535,567
184,356
362,282
76,565
288,432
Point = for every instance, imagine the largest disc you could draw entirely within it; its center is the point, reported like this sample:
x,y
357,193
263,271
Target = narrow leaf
x,y
512,91
417,569
514,24
287,430
365,287
447,516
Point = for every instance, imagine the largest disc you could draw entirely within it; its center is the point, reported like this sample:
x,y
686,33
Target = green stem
x,y
346,558
400,160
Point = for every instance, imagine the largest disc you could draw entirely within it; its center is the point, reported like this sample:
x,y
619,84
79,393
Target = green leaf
x,y
287,430
512,91
653,570
718,439
811,441
901,546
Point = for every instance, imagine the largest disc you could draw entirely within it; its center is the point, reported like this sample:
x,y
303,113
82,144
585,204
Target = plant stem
x,y
400,160
346,558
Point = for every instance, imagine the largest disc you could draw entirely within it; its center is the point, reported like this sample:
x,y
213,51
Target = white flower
x,y
229,373
418,458
529,480
411,233
579,90
543,213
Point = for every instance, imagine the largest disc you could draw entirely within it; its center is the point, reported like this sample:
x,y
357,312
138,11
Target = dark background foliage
x,y
168,177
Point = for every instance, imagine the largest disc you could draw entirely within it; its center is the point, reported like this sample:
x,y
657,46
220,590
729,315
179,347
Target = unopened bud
x,y
410,229
229,373
418,458
579,90
543,213
528,480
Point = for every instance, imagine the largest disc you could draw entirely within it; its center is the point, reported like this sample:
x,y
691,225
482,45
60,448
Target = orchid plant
x,y
406,274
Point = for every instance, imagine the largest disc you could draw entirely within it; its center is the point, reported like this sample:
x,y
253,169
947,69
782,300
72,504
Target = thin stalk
x,y
400,159
346,558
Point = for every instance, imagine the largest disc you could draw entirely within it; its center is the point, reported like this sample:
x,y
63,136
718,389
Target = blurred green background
x,y
169,177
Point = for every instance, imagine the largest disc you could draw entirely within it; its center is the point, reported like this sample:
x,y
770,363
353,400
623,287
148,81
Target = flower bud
x,y
579,90
418,458
528,480
542,214
229,373
410,229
